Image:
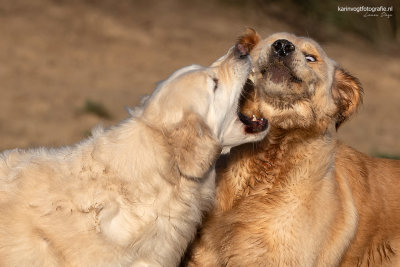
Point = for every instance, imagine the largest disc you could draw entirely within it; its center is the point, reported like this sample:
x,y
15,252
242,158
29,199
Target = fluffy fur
x,y
132,195
300,197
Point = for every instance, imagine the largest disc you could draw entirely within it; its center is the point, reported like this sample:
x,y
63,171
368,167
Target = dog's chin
x,y
226,150
240,133
281,87
279,73
246,138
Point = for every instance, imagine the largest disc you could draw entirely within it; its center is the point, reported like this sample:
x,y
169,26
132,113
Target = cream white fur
x,y
121,198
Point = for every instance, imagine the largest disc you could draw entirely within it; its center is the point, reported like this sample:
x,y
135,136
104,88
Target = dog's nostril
x,y
277,45
289,48
283,47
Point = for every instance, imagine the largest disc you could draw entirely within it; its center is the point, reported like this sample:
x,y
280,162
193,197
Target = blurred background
x,y
67,65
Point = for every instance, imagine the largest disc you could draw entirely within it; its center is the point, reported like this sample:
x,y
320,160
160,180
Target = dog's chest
x,y
161,211
275,208
250,176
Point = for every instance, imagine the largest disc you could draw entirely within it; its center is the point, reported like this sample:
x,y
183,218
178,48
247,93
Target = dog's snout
x,y
283,47
241,51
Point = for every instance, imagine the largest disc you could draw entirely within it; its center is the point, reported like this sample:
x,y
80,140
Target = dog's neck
x,y
269,164
187,149
141,150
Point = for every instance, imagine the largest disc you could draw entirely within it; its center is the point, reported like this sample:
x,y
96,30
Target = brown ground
x,y
54,55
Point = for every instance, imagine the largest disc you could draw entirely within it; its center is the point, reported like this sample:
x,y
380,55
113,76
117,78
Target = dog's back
x,y
375,184
39,215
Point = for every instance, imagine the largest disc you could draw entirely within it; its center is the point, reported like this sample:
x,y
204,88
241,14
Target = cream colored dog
x,y
132,195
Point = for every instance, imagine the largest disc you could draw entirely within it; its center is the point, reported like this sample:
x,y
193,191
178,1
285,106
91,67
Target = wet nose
x,y
283,47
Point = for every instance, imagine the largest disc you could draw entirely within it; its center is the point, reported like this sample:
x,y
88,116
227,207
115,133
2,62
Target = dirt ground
x,y
56,55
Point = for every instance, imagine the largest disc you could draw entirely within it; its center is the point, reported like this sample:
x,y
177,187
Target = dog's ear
x,y
249,39
194,147
347,94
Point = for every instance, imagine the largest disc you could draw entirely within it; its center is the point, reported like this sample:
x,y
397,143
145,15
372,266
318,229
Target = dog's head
x,y
210,92
197,110
296,86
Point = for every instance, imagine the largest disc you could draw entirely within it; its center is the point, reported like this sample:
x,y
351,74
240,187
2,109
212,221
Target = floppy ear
x,y
347,94
195,149
249,39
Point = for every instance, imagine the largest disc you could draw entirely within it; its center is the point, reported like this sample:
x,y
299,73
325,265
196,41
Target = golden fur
x,y
300,197
132,195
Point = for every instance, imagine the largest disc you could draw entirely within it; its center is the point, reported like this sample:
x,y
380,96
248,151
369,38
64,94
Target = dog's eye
x,y
310,58
215,83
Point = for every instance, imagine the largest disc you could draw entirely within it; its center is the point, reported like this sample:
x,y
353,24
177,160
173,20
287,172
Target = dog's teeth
x,y
254,118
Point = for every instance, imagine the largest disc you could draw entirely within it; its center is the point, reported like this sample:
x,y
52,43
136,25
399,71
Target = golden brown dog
x,y
300,197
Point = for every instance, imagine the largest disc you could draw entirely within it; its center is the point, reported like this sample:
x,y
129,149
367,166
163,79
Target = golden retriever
x,y
300,197
132,195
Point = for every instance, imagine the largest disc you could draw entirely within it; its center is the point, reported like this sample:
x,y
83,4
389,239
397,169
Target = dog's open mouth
x,y
279,73
254,124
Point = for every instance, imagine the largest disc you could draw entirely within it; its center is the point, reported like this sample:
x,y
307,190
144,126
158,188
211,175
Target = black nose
x,y
283,47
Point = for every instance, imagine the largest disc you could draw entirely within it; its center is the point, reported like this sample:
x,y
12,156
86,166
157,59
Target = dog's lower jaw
x,y
237,135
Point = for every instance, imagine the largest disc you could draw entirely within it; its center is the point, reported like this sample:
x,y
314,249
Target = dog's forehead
x,y
281,35
191,77
185,71
309,44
